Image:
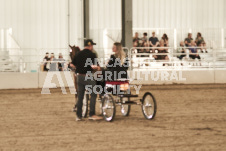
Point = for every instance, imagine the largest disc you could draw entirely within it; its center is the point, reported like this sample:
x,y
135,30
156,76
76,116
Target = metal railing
x,y
172,59
27,60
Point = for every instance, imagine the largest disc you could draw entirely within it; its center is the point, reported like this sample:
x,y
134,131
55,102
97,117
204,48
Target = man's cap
x,y
89,42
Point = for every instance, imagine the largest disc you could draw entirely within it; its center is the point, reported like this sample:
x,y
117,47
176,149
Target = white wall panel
x,y
224,15
105,19
205,16
224,21
178,13
42,23
76,22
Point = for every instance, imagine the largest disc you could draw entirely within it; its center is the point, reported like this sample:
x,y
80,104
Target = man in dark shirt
x,y
153,41
83,62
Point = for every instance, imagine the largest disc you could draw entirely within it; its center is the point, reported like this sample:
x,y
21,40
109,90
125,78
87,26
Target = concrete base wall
x,y
220,76
65,79
18,80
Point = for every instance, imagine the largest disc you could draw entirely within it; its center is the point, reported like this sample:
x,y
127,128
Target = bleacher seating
x,y
6,63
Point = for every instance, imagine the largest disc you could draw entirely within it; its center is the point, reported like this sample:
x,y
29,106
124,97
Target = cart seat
x,y
128,95
118,82
123,83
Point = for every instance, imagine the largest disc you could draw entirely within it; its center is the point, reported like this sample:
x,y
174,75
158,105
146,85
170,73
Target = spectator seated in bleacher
x,y
61,63
188,40
201,43
181,50
136,40
161,49
145,50
166,40
143,42
193,51
53,63
144,38
135,44
45,60
153,42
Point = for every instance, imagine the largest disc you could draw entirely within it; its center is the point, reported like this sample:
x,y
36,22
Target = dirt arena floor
x,y
189,117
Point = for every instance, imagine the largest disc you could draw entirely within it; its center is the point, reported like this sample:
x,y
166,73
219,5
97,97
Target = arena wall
x,y
38,80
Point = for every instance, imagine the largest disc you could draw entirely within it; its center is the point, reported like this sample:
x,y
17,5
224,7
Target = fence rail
x,y
173,58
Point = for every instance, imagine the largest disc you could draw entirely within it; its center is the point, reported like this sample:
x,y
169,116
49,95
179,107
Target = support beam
x,y
86,18
127,23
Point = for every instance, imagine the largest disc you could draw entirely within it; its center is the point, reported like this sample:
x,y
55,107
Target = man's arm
x,y
96,65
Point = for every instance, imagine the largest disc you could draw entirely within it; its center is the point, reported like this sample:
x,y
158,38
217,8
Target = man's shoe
x,y
95,117
79,119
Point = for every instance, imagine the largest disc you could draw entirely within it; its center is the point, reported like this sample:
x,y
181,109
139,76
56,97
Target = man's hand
x,y
71,65
95,67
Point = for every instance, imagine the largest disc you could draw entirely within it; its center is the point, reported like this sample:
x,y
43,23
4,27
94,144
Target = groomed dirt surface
x,y
189,117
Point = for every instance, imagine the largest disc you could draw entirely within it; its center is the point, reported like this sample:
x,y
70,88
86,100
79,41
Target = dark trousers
x,y
82,85
181,57
194,56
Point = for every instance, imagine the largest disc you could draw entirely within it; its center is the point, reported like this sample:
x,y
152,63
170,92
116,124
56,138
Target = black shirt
x,y
153,40
83,61
114,67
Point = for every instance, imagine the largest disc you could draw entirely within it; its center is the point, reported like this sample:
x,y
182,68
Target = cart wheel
x,y
125,110
108,107
149,106
85,105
